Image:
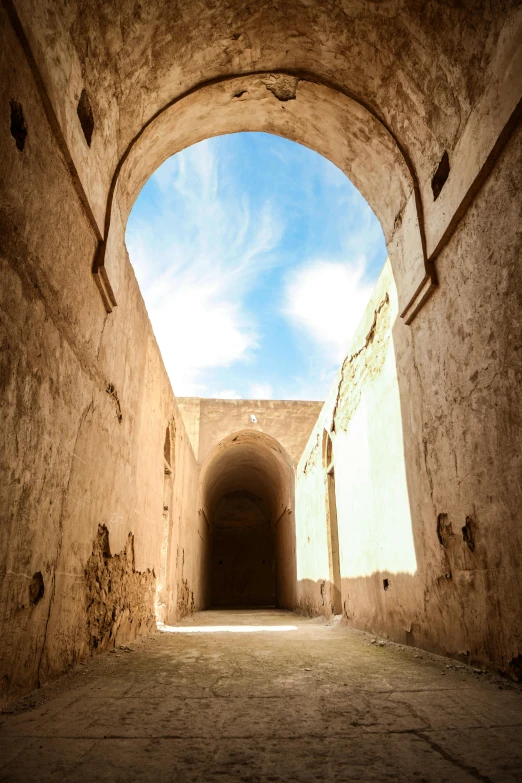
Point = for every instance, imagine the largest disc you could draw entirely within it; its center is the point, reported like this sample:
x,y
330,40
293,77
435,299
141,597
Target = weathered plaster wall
x,y
426,444
85,402
120,600
460,382
288,421
362,413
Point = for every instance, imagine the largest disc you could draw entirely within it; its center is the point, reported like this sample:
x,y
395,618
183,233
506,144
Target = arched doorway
x,y
246,494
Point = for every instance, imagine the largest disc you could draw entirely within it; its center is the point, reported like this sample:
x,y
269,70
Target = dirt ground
x,y
304,700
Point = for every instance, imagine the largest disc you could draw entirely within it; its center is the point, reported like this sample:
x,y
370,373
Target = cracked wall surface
x,y
462,363
361,417
360,368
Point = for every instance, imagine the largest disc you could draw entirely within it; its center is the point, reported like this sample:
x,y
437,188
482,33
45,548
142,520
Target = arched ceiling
x,y
420,65
252,462
317,115
312,114
240,511
383,89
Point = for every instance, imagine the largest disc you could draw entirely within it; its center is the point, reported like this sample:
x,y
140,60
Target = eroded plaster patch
x,y
361,367
120,600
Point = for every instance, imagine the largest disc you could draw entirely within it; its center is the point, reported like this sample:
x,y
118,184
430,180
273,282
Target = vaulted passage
x,y
247,491
408,522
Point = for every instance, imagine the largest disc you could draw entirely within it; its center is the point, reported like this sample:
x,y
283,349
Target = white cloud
x,y
205,241
196,270
326,299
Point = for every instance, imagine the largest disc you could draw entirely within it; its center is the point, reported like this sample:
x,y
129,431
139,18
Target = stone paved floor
x,y
315,702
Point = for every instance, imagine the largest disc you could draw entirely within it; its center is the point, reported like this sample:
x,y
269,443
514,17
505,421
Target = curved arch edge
x,y
398,204
500,104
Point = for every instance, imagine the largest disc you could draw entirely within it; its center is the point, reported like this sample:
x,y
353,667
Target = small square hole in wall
x,y
440,176
385,584
86,116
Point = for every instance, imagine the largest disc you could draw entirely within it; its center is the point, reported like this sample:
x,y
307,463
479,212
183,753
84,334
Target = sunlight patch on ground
x,y
223,628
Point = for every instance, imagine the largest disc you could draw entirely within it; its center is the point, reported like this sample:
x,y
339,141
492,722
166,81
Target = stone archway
x,y
423,87
303,109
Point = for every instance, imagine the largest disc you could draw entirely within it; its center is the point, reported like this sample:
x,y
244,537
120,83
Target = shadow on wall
x,y
378,603
459,369
425,497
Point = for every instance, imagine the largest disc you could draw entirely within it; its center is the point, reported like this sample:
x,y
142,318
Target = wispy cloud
x,y
196,264
256,258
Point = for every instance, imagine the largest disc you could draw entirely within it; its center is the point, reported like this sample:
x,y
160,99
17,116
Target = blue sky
x,y
256,258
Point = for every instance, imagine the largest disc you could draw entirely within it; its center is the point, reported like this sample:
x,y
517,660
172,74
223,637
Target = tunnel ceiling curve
x,y
248,461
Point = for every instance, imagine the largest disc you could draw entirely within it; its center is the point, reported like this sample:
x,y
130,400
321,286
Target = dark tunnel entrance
x,y
247,493
242,559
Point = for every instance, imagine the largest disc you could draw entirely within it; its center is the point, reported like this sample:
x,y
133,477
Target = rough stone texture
x,y
120,600
317,703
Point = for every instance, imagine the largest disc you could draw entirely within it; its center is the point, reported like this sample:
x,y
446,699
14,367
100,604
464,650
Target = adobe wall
x,y
85,402
426,443
460,382
362,413
208,421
